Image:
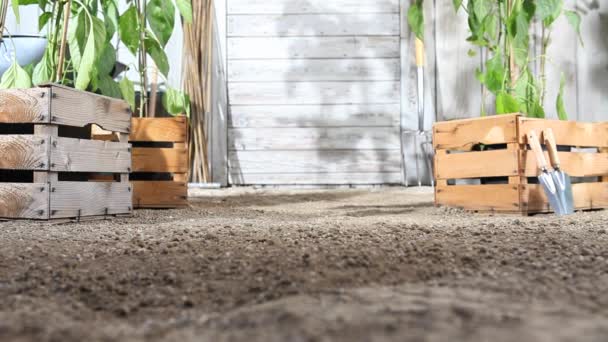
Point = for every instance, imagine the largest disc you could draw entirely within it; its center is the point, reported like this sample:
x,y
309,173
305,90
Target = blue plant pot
x,y
27,50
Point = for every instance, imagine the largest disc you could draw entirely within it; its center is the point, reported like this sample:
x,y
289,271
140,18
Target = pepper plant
x,y
145,28
502,28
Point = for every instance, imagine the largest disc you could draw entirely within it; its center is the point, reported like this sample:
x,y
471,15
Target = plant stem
x,y
143,97
545,38
513,70
64,41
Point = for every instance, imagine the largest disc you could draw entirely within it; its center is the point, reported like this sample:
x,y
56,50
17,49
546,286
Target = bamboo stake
x,y
153,91
3,12
64,41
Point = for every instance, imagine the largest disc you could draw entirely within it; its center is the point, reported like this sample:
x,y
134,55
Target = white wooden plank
x,y
311,6
383,69
315,161
308,93
592,66
24,201
79,155
313,138
318,47
314,116
302,25
458,92
73,199
371,178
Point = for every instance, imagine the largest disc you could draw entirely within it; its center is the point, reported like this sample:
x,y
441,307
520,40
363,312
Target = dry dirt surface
x,y
340,265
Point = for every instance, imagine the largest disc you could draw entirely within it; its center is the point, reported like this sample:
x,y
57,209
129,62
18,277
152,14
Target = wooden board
x,y
174,160
302,25
576,164
569,133
376,69
24,201
160,194
311,6
501,197
78,108
313,47
587,196
314,93
465,134
477,164
361,115
74,199
344,161
24,152
24,105
320,179
80,155
159,129
314,138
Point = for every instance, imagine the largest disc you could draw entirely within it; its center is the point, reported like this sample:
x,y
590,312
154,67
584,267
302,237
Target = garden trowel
x,y
560,178
544,178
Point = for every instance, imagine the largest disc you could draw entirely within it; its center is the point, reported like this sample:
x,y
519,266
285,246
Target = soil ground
x,y
334,265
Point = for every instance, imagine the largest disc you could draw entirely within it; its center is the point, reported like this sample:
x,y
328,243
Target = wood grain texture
x,y
465,134
311,6
173,160
314,93
346,138
160,129
160,194
24,152
362,115
313,47
78,108
74,199
80,155
575,164
24,105
303,25
477,164
24,201
501,197
382,69
359,161
571,133
370,178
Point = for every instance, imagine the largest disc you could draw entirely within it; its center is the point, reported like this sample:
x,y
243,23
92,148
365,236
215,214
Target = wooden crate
x,y
49,163
500,176
160,162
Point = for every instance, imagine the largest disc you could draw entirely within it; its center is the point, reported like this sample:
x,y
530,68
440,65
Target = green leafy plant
x,y
145,28
502,28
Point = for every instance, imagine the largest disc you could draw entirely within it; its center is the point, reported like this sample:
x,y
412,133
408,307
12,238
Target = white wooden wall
x,y
314,91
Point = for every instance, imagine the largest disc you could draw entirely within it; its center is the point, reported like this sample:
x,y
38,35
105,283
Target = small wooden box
x,y
491,156
50,168
160,162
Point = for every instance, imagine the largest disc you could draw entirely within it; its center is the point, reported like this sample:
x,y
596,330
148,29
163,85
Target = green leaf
x,y
185,9
415,19
561,108
157,53
77,32
127,90
43,19
506,104
161,17
43,72
15,4
109,87
495,75
128,28
457,4
549,10
110,17
15,77
575,21
176,102
92,49
107,60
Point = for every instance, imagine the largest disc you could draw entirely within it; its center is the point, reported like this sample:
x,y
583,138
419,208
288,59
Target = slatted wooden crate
x,y
492,153
49,164
160,162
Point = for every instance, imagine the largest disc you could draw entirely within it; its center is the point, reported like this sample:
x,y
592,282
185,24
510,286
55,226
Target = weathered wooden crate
x,y
160,162
484,164
49,164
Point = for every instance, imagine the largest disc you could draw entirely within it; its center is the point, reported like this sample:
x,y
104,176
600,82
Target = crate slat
x,y
499,197
575,164
569,133
24,152
472,165
587,196
159,130
463,135
75,199
25,105
80,155
174,160
159,194
24,201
